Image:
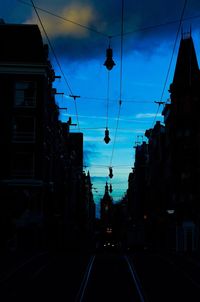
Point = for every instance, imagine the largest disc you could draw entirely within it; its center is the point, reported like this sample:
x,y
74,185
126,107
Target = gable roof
x,y
186,72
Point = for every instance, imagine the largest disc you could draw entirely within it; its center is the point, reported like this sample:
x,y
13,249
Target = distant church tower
x,y
106,208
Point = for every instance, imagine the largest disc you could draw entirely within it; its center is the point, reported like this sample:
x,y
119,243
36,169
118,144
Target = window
x,y
23,165
25,94
23,128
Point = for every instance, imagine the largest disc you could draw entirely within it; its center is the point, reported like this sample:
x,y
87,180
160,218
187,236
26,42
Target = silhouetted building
x,y
26,77
106,213
87,213
183,146
136,194
167,190
120,221
41,175
155,199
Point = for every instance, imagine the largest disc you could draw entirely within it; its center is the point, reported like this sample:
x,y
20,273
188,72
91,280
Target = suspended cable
x,y
109,63
108,96
77,114
120,90
171,59
176,39
156,115
65,19
104,166
121,50
113,100
56,58
115,136
150,27
104,34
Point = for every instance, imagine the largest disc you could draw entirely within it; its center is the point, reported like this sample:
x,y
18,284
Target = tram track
x,y
45,276
85,280
109,276
136,280
94,280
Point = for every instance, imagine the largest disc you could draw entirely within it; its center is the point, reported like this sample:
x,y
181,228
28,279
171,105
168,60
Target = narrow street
x,y
106,276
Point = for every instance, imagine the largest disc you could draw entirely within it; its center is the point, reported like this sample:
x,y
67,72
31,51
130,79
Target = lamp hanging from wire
x,y
106,138
109,63
110,172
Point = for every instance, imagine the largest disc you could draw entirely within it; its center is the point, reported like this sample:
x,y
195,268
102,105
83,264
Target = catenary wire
x,y
121,75
150,27
111,100
108,96
57,61
65,19
171,59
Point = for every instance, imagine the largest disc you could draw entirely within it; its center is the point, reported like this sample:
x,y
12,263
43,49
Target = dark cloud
x,y
140,21
140,18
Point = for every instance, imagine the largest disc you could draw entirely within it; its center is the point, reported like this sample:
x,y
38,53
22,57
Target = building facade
x,y
172,175
41,162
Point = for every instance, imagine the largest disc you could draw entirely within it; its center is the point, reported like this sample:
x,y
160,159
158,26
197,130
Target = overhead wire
x,y
114,100
126,33
108,96
156,26
121,74
104,34
171,59
56,58
65,19
150,27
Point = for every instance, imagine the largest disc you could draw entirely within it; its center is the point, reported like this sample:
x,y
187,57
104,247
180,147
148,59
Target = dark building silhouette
x,y
106,213
155,198
120,222
136,197
169,185
182,140
41,162
26,78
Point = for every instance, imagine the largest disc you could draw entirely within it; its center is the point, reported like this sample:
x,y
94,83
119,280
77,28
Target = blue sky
x,y
147,51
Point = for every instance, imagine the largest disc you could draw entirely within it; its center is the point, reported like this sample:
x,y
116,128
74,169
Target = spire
x,y
107,198
88,177
187,74
106,188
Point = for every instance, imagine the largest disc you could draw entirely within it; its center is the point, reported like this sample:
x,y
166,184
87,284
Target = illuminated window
x,y
25,94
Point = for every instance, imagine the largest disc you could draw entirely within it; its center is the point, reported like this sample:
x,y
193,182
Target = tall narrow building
x,y
27,109
106,214
182,173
